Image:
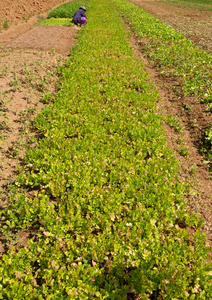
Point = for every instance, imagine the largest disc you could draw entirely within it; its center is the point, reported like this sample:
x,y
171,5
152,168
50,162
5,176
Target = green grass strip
x,y
108,216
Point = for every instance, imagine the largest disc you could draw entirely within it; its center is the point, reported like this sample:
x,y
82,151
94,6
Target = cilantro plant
x,y
172,52
106,209
57,22
67,10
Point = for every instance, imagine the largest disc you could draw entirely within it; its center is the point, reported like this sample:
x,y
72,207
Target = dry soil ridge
x,y
13,12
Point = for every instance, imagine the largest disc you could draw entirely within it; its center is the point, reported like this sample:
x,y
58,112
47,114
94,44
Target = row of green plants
x,y
171,49
106,209
63,14
67,10
56,22
175,54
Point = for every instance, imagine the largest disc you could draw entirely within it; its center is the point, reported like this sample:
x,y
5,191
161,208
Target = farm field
x,y
192,18
116,163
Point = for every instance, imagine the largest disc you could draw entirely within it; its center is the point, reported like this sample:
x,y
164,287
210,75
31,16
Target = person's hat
x,y
83,7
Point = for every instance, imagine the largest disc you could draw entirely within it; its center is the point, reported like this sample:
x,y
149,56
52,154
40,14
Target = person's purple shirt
x,y
78,15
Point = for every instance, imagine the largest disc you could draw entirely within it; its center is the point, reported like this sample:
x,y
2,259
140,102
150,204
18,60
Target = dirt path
x,y
28,70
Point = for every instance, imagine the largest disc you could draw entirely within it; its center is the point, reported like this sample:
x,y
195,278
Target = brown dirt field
x,y
15,11
28,69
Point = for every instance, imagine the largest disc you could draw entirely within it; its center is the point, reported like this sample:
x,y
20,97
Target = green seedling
x,y
173,122
5,25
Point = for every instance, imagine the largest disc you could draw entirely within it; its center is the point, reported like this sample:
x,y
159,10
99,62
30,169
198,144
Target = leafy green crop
x,y
170,49
67,10
172,52
207,142
106,208
57,22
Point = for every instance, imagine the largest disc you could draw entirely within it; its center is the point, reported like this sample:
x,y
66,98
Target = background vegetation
x,y
199,4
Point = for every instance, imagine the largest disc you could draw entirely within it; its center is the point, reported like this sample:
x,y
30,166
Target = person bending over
x,y
80,17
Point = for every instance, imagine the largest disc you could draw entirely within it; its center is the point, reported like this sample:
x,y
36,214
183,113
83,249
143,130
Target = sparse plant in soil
x,y
207,142
5,25
173,122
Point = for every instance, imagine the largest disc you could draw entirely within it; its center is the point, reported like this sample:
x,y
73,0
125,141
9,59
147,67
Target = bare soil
x,y
29,57
13,12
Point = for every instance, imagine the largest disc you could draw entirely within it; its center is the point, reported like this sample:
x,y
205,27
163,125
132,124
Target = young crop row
x,y
177,56
105,209
63,14
67,10
171,49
